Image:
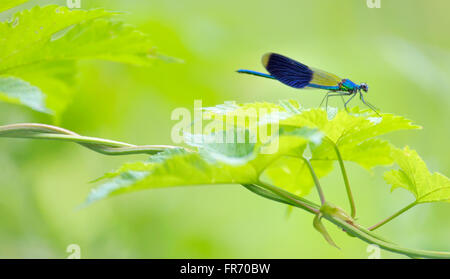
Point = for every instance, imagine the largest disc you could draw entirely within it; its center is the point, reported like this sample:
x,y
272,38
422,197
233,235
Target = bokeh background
x,y
402,50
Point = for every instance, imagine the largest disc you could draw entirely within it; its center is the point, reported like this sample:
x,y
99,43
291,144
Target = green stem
x,y
268,194
267,191
354,229
351,228
381,223
103,146
346,181
371,233
316,181
297,201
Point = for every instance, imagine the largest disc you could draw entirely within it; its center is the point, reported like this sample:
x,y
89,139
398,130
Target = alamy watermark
x,y
230,124
373,4
73,4
74,251
374,251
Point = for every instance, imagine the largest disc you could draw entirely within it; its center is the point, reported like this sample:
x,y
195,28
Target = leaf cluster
x,y
302,134
40,47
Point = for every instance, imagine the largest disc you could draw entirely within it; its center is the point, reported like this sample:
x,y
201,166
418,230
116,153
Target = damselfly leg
x,y
346,103
372,107
331,94
324,98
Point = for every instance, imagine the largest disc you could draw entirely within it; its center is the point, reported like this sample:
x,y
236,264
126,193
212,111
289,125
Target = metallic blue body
x,y
255,73
349,85
345,85
331,88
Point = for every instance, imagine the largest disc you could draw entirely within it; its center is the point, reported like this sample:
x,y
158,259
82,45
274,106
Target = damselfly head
x,y
364,87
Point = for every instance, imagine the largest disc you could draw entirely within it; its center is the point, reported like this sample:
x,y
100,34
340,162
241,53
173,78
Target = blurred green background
x,y
402,50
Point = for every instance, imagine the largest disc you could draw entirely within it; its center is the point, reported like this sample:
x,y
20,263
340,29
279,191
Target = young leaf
x,y
353,133
213,163
369,153
17,91
318,225
292,174
246,163
216,146
29,31
41,46
414,176
8,4
177,169
102,39
54,79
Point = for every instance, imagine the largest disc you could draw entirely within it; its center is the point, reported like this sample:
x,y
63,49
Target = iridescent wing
x,y
324,80
298,75
287,71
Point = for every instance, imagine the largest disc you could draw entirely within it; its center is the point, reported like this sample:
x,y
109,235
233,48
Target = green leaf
x,y
353,133
102,39
41,47
8,4
285,168
292,174
217,148
369,153
43,35
17,91
30,31
415,177
55,79
318,225
212,163
247,162
177,169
